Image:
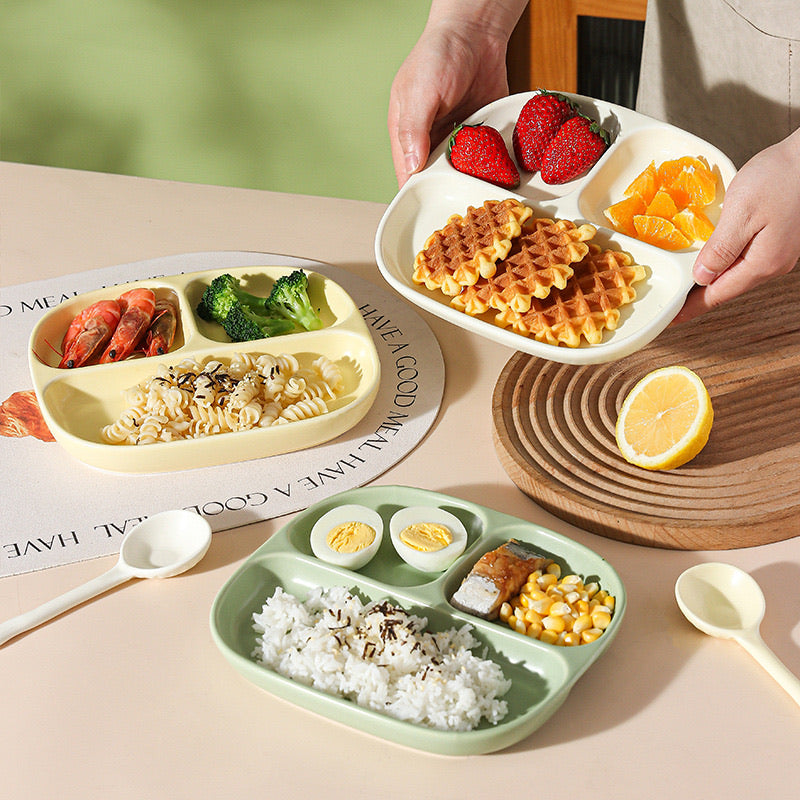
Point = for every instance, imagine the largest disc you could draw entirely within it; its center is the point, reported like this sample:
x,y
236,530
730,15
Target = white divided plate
x,y
429,198
77,403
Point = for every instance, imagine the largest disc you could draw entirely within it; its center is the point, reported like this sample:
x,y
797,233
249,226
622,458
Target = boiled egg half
x,y
430,539
347,536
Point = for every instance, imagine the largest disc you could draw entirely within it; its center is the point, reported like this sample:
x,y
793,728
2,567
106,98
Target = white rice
x,y
380,657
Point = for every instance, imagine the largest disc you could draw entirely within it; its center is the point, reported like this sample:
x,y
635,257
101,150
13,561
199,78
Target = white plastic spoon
x,y
161,546
723,601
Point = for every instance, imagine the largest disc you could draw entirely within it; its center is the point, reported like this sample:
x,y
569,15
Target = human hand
x,y
757,236
457,66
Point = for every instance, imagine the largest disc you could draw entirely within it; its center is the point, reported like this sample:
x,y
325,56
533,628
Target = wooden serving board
x,y
554,432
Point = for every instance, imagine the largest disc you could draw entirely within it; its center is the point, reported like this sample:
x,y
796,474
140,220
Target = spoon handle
x,y
58,605
754,645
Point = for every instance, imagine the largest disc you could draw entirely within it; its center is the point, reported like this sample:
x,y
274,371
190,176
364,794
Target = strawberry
x,y
537,124
479,150
575,148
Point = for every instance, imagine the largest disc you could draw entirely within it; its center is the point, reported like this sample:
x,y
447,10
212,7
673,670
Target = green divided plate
x,y
541,675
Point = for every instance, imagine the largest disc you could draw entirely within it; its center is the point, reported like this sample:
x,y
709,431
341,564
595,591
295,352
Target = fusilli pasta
x,y
191,399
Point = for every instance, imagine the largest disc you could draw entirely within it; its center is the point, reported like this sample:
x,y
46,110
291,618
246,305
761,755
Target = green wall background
x,y
285,95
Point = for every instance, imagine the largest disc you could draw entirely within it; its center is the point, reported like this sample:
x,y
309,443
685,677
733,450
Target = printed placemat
x,y
58,510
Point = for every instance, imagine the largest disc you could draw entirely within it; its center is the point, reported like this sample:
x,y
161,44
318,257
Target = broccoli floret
x,y
289,298
224,293
243,324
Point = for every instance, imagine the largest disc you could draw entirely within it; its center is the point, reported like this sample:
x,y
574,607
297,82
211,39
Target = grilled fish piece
x,y
496,577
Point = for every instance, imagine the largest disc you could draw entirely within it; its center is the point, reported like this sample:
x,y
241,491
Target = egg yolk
x,y
426,537
350,537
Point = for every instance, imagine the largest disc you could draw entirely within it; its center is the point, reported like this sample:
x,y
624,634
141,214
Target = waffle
x,y
541,259
602,282
469,247
476,299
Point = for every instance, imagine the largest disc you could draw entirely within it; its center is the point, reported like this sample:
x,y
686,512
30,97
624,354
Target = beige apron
x,y
726,70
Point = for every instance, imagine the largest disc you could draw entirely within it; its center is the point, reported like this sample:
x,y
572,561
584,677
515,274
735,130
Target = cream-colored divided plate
x,y
541,675
77,403
424,204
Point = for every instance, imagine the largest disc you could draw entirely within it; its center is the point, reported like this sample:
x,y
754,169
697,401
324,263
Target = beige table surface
x,y
128,697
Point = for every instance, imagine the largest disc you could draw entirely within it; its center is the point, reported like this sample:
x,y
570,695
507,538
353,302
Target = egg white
x,y
439,560
339,516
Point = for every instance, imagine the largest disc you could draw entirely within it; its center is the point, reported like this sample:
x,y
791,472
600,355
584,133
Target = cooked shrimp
x,y
161,332
88,333
137,310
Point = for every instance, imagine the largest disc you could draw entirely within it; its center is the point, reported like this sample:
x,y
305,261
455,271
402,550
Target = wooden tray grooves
x,y
554,432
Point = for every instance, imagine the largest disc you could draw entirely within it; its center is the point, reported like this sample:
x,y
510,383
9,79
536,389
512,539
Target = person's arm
x,y
758,233
457,66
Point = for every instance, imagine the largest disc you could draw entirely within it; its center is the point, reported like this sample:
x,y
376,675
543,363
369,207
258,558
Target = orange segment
x,y
621,214
659,232
645,183
693,187
669,170
694,224
662,205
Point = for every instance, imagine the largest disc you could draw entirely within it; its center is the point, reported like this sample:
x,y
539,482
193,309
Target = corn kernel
x,y
549,637
524,600
542,606
554,569
591,635
534,629
519,612
559,608
532,616
591,589
582,606
571,639
601,619
534,576
572,579
520,626
555,624
572,597
548,579
610,602
505,611
582,623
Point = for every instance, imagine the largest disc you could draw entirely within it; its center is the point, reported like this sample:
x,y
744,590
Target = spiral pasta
x,y
193,399
303,409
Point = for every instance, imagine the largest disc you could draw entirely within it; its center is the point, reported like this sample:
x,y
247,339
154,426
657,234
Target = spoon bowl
x,y
161,546
165,544
726,602
720,599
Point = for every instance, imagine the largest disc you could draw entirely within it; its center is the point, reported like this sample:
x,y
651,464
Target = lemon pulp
x,y
665,420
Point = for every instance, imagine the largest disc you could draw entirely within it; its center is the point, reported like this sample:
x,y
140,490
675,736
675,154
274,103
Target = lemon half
x,y
665,420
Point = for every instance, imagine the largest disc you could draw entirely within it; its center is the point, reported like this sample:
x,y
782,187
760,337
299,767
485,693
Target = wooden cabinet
x,y
543,51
